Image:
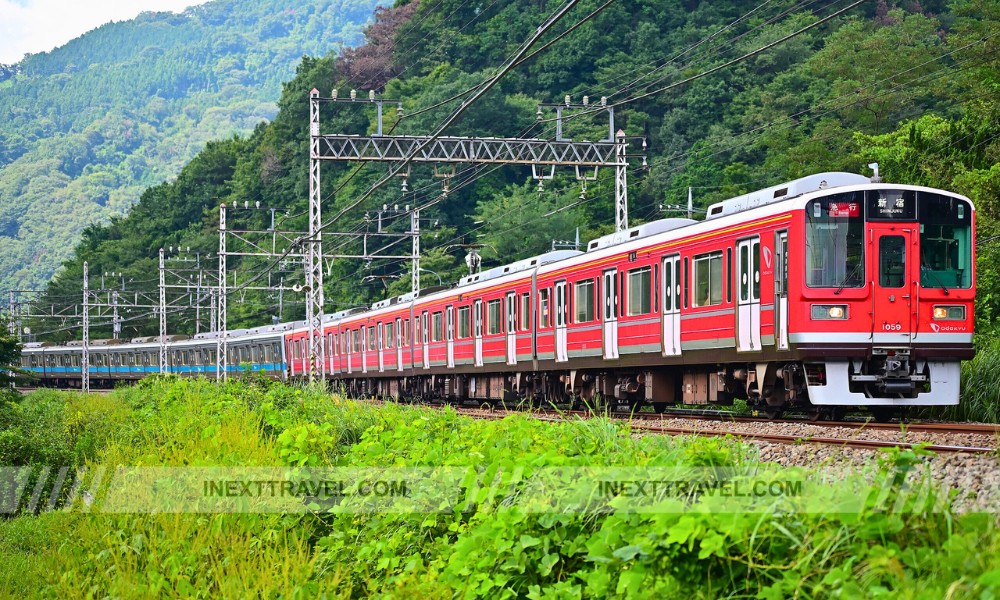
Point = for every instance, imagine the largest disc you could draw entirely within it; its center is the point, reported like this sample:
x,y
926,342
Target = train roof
x,y
517,267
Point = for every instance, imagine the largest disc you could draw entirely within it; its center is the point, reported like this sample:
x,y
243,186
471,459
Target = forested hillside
x,y
909,85
84,129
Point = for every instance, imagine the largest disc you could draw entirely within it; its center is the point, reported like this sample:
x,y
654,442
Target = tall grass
x,y
478,549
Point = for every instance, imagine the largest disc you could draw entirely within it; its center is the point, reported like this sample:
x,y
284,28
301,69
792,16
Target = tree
x,y
10,358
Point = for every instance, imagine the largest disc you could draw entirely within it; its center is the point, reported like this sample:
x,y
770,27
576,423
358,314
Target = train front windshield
x,y
835,236
945,241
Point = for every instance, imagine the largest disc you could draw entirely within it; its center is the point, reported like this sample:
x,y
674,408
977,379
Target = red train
x,y
826,292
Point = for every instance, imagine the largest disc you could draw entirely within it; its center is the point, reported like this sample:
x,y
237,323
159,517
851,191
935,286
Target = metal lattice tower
x,y
621,183
163,315
85,354
221,340
314,250
415,228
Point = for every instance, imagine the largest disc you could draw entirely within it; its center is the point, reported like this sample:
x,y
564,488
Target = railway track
x,y
657,423
945,428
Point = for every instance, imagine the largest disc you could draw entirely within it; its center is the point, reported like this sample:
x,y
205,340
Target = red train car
x,y
827,291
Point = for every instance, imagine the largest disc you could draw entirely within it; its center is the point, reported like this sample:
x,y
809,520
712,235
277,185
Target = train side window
x,y
525,322
708,279
639,297
583,293
687,288
621,293
729,275
656,288
493,317
437,327
390,335
464,313
543,308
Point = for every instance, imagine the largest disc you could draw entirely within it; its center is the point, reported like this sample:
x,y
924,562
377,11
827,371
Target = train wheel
x,y
772,413
815,414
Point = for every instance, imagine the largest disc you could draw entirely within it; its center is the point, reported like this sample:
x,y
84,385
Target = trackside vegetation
x,y
477,550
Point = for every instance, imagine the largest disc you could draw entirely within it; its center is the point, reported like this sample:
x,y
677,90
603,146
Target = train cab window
x,y
543,308
639,291
708,279
390,335
583,296
464,315
493,317
437,327
945,234
835,241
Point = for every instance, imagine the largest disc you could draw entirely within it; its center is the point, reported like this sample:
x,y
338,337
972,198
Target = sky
x,y
41,25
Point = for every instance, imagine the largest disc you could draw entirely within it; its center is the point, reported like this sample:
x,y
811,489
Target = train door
x,y
562,355
423,337
350,350
748,299
365,334
672,306
511,328
399,343
893,251
450,335
378,341
781,289
610,290
477,318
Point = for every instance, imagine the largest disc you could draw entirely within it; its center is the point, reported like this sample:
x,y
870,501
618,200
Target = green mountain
x,y
84,129
730,98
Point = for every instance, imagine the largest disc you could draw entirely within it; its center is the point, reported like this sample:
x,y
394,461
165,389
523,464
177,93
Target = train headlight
x,y
949,313
829,311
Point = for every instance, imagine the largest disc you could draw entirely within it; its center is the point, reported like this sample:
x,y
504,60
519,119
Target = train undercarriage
x,y
888,383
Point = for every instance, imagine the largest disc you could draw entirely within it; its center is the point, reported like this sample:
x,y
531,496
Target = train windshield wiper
x,y
849,277
925,270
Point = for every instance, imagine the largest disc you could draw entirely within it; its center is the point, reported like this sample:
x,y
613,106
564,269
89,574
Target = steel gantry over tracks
x,y
404,149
